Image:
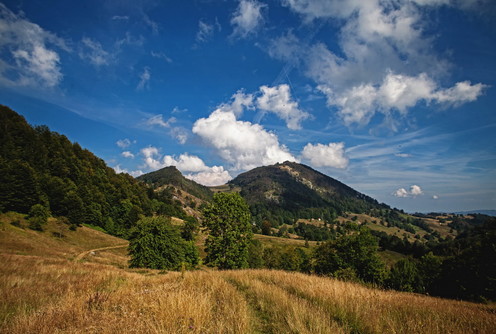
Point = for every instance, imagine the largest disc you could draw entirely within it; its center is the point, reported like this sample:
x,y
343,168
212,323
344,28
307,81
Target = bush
x,y
38,216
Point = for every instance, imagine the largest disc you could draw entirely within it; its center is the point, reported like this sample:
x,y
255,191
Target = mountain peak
x,y
293,190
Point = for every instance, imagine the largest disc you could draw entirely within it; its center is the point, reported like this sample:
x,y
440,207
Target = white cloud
x,y
93,52
145,77
159,120
401,192
278,100
239,102
331,155
134,173
403,155
179,133
33,57
186,163
205,31
123,143
435,197
150,155
396,92
127,154
415,190
242,144
198,171
215,177
247,18
161,55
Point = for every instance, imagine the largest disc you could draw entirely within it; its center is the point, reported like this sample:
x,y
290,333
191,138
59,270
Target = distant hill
x,y
482,212
171,176
289,191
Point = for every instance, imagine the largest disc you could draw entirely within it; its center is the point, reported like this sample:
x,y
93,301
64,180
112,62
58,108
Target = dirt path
x,y
83,254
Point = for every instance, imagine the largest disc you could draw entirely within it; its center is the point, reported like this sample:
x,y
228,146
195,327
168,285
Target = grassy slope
x,y
43,290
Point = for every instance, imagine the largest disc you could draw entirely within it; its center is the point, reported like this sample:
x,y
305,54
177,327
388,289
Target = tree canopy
x,y
155,243
228,221
357,252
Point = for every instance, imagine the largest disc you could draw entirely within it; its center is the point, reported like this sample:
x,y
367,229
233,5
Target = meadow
x,y
62,283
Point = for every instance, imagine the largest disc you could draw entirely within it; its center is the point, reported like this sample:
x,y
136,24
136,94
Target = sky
x,y
395,98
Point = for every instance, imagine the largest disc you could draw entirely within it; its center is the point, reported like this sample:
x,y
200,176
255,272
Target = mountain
x,y
171,176
288,191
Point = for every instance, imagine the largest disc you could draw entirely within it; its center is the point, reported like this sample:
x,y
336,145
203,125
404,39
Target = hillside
x,y
39,166
96,294
284,193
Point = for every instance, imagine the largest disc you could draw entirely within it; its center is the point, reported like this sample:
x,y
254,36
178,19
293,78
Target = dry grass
x,y
47,291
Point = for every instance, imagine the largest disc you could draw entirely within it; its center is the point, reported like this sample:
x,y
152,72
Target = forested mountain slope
x,y
38,166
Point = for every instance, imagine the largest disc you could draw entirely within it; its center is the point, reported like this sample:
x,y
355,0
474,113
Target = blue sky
x,y
395,98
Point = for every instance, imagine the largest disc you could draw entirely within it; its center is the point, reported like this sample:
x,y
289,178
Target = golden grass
x,y
48,291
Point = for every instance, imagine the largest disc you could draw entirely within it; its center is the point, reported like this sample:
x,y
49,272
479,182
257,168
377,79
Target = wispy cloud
x,y
145,77
161,55
93,52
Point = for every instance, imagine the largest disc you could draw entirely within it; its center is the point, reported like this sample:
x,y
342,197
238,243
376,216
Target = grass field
x,y
46,287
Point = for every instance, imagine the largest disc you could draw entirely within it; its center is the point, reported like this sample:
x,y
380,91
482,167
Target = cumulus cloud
x,y
239,102
123,143
242,144
33,53
331,155
215,177
145,77
401,192
247,18
93,52
278,100
415,191
127,154
435,197
396,92
191,166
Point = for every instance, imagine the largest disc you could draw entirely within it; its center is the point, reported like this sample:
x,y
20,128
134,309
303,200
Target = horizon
x,y
395,100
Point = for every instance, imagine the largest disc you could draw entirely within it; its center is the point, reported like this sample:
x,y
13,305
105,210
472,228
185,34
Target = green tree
x,y
155,243
405,276
357,251
38,216
227,219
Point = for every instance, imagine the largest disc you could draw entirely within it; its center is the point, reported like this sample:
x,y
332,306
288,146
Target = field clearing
x,y
443,228
45,290
277,241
